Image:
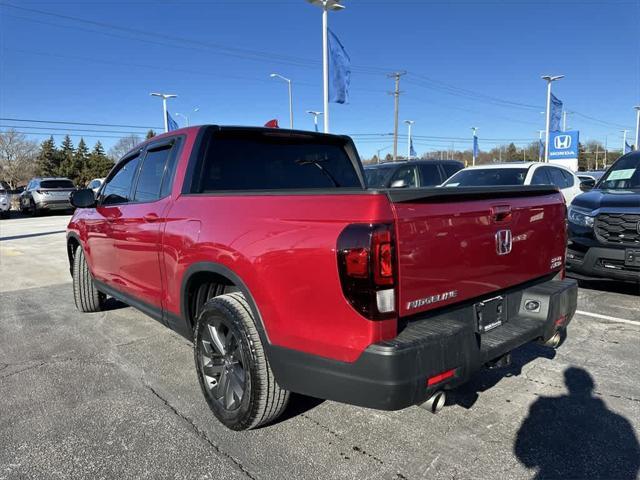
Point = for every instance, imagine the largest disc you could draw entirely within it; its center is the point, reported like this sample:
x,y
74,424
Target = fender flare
x,y
223,271
76,237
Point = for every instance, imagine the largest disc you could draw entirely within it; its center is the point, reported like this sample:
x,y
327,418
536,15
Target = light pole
x,y
382,150
549,79
186,117
277,75
326,5
473,145
540,132
315,117
624,141
164,97
409,125
637,109
564,120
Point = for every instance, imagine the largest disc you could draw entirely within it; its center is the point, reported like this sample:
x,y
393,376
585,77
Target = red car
x,y
266,248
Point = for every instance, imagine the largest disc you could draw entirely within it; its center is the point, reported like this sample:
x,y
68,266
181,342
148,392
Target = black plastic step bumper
x,y
393,374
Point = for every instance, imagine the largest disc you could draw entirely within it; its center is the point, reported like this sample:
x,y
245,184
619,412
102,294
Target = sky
x,y
468,63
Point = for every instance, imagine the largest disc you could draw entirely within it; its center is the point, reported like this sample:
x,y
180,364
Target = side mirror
x,y
84,198
586,185
399,184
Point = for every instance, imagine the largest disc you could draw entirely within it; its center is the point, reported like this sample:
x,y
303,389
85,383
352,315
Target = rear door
x,y
461,245
137,233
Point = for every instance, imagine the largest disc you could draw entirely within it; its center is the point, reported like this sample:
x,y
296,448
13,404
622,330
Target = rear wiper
x,y
322,169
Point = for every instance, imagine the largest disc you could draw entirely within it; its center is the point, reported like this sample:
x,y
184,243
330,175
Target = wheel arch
x,y
216,270
73,243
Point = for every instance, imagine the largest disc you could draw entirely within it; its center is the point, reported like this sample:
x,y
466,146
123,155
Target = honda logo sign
x,y
562,142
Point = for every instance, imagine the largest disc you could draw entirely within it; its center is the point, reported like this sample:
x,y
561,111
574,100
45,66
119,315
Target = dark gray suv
x,y
46,194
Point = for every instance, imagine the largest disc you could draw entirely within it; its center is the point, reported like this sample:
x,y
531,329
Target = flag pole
x,y
325,65
473,146
409,124
637,145
164,97
624,141
549,79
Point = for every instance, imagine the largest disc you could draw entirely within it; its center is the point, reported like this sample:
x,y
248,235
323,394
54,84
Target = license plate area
x,y
490,313
632,257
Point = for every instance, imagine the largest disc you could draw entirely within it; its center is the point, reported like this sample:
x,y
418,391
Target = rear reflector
x,y
441,377
561,321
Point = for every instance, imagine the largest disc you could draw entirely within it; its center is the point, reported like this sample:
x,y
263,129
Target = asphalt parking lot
x,y
115,395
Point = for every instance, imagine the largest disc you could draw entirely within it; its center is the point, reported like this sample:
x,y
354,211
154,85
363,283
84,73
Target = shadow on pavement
x,y
576,436
627,288
298,404
467,394
29,235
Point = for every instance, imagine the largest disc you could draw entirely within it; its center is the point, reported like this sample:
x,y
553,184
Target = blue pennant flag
x,y
556,114
171,123
412,152
475,147
628,148
339,71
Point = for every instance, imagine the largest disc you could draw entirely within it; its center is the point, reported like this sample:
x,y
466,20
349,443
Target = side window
x,y
568,178
451,168
151,173
540,177
117,189
430,175
407,174
557,178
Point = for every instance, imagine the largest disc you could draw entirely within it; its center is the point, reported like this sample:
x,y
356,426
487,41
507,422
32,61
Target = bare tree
x,y
123,146
17,158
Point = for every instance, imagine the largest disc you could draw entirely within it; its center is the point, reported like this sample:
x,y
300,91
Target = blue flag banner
x,y
556,114
171,123
627,148
412,151
475,146
339,71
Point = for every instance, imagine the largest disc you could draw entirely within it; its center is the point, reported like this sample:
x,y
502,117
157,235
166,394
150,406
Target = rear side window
x,y
56,184
118,187
451,168
244,160
430,175
406,174
557,178
540,177
568,178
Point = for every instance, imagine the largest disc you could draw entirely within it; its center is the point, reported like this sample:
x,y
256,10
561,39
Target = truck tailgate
x,y
463,243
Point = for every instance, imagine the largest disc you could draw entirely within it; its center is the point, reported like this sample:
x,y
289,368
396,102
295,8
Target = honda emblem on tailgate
x,y
503,242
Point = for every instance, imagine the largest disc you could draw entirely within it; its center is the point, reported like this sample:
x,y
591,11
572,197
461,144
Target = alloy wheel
x,y
222,363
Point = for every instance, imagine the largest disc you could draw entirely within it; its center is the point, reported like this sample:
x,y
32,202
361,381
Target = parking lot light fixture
x,y
549,79
164,97
326,5
315,117
409,125
277,75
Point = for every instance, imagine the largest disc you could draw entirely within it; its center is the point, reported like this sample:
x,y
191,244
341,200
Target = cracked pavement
x,y
115,395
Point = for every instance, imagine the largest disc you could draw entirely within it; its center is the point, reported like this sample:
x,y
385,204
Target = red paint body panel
x,y
283,247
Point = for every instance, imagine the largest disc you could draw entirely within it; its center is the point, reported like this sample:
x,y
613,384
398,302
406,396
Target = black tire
x,y
241,365
34,209
85,294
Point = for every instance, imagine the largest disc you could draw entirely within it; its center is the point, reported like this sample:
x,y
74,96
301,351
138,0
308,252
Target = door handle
x,y
501,213
151,218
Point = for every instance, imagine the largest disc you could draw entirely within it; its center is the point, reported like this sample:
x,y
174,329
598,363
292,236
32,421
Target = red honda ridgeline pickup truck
x,y
266,249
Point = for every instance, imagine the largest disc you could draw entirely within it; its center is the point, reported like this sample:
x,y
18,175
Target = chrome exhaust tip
x,y
554,341
435,402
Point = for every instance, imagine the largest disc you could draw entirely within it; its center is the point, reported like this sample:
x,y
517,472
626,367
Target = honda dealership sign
x,y
563,148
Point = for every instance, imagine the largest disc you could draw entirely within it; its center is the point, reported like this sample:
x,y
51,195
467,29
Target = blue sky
x,y
469,63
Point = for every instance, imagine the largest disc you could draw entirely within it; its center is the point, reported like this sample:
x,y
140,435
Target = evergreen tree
x,y
67,154
98,164
80,159
48,160
512,153
150,134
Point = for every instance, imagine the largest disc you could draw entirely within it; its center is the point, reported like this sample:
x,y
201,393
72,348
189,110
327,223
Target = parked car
x,y
95,184
518,173
588,180
604,225
266,249
46,194
5,202
411,174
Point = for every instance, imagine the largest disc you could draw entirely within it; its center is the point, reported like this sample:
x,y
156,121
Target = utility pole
x,y
540,140
396,94
409,124
549,79
637,145
606,148
597,151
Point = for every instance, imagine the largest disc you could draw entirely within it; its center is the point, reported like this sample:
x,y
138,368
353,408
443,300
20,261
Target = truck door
x,y
138,232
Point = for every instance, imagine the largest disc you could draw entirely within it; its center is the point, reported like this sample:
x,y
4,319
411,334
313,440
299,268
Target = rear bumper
x,y
393,374
54,204
600,262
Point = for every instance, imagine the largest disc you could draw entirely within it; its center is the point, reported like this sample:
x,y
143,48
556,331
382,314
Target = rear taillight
x,y
367,266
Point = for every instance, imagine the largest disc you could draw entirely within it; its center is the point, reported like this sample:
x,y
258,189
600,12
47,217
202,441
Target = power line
x,y
6,119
